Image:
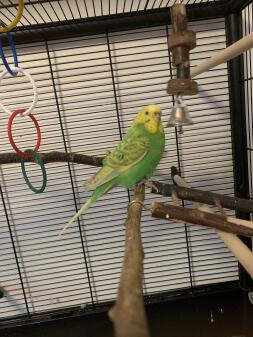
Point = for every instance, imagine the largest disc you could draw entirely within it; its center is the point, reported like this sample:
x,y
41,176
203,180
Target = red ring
x,y
13,115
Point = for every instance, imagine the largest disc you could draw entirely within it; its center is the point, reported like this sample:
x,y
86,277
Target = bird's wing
x,y
129,152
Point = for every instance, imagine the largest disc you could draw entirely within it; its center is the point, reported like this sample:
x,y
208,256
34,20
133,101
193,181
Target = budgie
x,y
133,160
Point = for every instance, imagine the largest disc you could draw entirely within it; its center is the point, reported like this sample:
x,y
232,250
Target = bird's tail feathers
x,y
81,211
96,194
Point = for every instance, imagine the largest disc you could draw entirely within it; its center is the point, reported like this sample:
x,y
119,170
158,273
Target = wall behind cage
x,y
89,91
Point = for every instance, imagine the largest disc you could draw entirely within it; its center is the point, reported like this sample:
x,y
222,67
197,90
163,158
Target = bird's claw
x,y
149,184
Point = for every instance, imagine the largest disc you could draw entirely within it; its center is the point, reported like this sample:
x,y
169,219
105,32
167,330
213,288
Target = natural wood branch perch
x,y
204,197
243,254
190,194
52,157
195,216
128,314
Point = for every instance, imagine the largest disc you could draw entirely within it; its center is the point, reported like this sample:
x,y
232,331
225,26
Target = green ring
x,y
42,166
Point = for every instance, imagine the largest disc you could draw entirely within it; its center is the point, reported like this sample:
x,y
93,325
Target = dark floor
x,y
217,315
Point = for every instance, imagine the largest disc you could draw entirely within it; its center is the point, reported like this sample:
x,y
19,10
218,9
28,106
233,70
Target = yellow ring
x,y
16,20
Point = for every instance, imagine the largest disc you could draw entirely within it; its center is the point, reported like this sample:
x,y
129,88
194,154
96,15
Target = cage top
x,y
56,19
57,11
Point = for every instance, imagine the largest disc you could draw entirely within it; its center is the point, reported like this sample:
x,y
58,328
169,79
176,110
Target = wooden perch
x,y
128,314
243,254
195,216
204,197
190,194
52,157
227,54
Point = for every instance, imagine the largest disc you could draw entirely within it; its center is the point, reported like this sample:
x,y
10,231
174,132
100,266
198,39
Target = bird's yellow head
x,y
150,117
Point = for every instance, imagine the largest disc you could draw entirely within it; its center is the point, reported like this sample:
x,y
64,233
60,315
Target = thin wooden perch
x,y
128,314
52,157
227,54
204,197
190,194
243,254
195,216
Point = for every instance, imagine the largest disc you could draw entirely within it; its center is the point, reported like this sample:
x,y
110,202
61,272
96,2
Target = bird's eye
x,y
146,113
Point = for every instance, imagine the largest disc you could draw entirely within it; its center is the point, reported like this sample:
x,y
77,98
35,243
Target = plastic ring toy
x,y
42,166
13,24
14,114
35,90
14,54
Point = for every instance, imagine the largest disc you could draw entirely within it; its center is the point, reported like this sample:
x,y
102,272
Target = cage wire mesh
x,y
90,88
44,11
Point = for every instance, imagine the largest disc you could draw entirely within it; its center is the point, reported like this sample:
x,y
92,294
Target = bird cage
x,y
95,64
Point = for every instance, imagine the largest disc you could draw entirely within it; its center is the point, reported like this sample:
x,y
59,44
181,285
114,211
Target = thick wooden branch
x,y
243,254
203,197
190,194
128,314
52,157
195,216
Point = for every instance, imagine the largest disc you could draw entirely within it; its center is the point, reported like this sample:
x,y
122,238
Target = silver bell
x,y
180,114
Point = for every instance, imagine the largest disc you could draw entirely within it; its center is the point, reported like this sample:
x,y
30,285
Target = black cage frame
x,y
124,21
231,10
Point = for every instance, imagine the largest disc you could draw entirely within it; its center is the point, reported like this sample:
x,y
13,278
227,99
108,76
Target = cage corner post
x,y
233,25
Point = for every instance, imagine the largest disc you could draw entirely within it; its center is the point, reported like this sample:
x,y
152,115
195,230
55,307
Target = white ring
x,y
35,90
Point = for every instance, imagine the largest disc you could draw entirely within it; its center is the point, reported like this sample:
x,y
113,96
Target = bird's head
x,y
150,117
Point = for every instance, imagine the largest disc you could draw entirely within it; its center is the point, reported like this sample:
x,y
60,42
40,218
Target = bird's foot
x,y
149,183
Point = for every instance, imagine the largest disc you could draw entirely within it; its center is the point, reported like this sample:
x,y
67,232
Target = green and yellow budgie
x,y
134,159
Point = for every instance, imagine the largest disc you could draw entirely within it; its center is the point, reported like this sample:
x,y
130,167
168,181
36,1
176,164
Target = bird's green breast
x,y
145,167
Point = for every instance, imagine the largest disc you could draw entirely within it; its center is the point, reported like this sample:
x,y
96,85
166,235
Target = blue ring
x,y
14,54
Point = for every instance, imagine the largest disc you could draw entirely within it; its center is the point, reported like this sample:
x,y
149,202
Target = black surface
x,y
237,108
218,315
238,126
237,5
